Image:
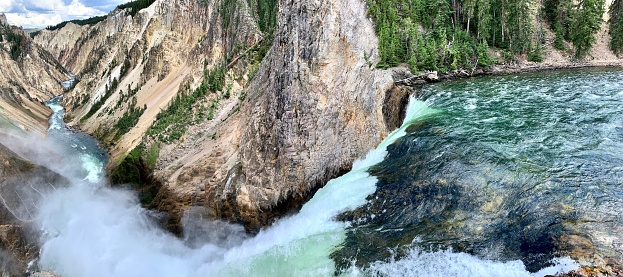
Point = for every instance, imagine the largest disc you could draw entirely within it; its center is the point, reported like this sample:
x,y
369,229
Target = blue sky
x,y
42,13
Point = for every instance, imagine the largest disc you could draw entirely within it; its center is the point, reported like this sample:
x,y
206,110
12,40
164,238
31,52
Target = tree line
x,y
452,34
89,21
136,6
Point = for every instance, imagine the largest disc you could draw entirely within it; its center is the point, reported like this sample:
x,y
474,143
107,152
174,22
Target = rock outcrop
x,y
314,107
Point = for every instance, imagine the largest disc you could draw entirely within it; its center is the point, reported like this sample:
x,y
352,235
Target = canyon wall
x,y
313,108
300,117
29,76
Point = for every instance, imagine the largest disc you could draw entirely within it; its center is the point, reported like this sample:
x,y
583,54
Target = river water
x,y
502,176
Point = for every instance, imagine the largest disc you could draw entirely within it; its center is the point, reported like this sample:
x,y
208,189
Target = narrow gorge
x,y
314,138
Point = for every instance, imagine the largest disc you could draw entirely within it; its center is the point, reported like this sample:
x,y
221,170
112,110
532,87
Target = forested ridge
x,y
452,34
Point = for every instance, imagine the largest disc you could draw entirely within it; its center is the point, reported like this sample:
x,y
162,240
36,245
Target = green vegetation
x,y
266,11
535,54
136,6
81,22
574,22
215,78
616,26
18,44
135,169
171,124
449,34
129,119
101,101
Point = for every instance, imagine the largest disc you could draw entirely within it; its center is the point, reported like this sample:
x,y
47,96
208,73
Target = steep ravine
x,y
269,145
29,75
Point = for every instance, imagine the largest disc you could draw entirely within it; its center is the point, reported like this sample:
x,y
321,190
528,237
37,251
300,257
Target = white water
x,y
448,263
92,230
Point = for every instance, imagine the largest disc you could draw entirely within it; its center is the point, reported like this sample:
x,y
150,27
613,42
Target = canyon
x,y
278,135
297,99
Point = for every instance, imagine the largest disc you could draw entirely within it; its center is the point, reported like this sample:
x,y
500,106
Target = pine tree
x,y
616,26
587,22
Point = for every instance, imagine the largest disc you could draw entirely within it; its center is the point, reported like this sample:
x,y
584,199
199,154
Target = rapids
x,y
486,177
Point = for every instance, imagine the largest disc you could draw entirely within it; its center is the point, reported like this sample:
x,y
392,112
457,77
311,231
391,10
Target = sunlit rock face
x,y
29,76
313,106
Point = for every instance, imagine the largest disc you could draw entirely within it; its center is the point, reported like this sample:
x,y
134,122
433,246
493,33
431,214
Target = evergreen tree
x,y
616,26
587,22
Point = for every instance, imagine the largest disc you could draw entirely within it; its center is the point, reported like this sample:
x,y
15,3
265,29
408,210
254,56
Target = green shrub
x,y
136,169
535,54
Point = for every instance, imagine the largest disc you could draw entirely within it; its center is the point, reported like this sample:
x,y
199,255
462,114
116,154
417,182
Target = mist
x,y
87,228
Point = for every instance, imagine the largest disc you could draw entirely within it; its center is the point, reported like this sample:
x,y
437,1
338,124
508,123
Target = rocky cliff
x,y
313,106
153,56
29,76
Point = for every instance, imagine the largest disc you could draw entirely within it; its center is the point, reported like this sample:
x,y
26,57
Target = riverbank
x,y
405,78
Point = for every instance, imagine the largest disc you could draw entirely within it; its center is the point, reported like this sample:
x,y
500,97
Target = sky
x,y
43,13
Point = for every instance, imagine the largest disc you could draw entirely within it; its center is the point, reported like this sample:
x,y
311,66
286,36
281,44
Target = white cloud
x,y
31,20
39,14
6,5
78,9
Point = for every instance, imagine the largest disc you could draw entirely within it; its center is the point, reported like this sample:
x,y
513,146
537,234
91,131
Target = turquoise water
x,y
76,146
517,168
502,176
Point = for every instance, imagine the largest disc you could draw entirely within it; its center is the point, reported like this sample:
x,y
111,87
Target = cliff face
x,y
150,57
29,76
314,107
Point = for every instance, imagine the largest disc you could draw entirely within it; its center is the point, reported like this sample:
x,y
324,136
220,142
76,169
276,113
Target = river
x,y
496,176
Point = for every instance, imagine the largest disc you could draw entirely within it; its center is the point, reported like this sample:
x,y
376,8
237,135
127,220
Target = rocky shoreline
x,y
406,78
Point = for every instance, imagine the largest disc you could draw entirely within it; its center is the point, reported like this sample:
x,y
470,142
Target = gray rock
x,y
432,76
314,107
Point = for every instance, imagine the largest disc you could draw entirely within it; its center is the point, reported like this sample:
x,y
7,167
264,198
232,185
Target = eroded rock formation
x,y
29,76
314,105
313,108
